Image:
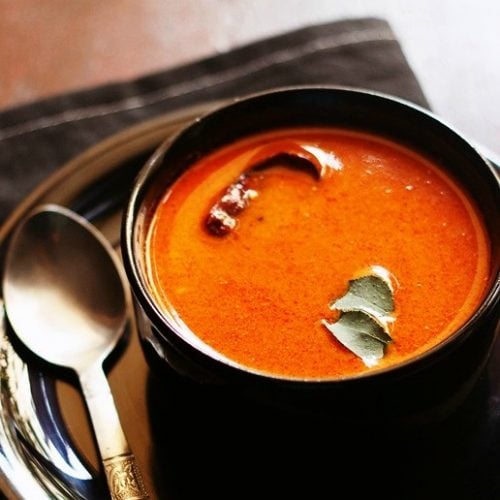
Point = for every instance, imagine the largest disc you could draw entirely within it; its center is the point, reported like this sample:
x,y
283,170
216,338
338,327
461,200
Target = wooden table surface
x,y
54,46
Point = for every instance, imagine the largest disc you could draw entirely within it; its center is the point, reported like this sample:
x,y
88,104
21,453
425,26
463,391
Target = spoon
x,y
66,299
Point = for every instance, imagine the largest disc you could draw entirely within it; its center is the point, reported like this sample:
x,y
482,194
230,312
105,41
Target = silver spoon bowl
x,y
66,298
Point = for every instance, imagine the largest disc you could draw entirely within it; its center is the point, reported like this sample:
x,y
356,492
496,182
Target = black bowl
x,y
421,390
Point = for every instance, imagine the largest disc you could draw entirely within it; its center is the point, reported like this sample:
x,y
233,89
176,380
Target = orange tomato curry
x,y
258,291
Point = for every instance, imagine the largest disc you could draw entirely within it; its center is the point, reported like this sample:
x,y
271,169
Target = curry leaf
x,y
370,294
365,313
360,334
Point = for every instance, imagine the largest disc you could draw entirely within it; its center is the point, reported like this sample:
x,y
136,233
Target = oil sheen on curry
x,y
253,245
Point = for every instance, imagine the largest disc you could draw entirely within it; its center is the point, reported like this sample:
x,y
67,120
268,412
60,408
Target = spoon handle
x,y
122,472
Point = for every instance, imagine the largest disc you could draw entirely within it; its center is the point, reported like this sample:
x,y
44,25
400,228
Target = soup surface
x,y
320,207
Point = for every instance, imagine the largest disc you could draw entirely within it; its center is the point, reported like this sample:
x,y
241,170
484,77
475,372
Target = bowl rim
x,y
160,321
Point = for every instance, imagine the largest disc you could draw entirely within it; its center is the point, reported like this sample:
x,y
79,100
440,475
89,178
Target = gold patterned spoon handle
x,y
120,466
